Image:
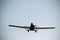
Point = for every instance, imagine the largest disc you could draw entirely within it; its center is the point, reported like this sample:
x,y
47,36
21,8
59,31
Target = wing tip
x,y
10,25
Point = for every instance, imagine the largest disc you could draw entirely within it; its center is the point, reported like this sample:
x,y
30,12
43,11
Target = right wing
x,y
26,27
45,28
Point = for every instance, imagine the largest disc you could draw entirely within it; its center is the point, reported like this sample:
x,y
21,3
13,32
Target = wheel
x,y
28,30
35,30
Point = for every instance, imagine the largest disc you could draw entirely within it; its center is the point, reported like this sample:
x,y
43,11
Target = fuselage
x,y
32,26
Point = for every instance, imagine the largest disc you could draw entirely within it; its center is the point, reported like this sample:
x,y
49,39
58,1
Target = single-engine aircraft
x,y
32,27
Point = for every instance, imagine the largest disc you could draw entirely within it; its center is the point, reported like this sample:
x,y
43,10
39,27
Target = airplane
x,y
32,27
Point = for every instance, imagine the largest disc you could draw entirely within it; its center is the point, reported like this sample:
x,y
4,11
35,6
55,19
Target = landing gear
x,y
28,30
32,30
35,30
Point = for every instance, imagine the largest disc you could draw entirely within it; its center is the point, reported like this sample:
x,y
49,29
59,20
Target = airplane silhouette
x,y
32,27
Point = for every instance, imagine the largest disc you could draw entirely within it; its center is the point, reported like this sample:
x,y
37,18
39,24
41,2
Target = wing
x,y
26,27
45,28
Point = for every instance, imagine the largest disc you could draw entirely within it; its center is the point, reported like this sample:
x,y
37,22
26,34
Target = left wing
x,y
26,27
45,28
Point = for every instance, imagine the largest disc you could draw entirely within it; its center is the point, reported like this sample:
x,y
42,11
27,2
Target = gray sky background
x,y
23,12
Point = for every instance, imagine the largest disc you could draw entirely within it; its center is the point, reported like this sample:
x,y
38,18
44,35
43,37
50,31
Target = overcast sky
x,y
23,12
